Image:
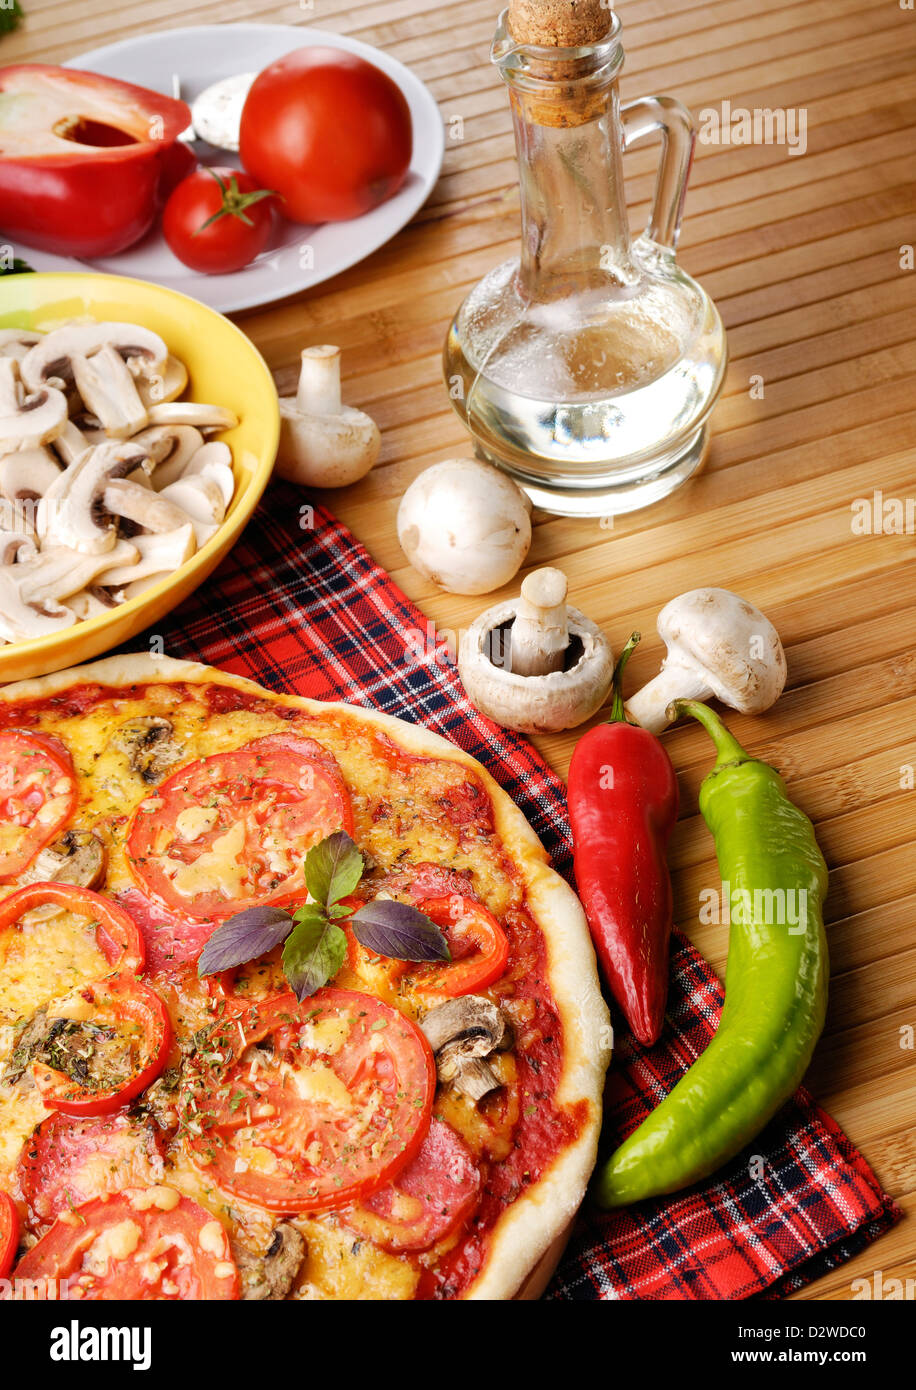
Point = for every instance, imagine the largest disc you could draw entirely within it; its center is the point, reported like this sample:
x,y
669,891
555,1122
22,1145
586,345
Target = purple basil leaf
x,y
314,952
244,937
399,931
333,868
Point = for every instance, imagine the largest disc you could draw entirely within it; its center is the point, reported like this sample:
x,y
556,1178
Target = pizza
x,y
378,1123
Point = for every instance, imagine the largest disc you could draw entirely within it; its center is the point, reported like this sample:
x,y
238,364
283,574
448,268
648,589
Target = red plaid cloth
x,y
306,610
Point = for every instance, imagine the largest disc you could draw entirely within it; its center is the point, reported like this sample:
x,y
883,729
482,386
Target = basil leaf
x,y
399,931
333,868
244,937
314,952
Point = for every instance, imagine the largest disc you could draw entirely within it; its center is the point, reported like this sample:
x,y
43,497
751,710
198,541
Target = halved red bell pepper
x,y
81,158
133,1014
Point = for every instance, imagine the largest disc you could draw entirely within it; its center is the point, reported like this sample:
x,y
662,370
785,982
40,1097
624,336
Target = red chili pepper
x,y
623,800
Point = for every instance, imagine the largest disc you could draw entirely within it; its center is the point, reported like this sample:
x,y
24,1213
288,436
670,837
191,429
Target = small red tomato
x,y
218,220
329,131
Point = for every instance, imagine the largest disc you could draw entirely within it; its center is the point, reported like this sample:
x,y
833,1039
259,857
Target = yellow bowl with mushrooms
x,y
224,371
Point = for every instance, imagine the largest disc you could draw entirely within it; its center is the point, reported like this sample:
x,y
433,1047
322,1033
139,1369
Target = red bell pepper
x,y
121,1008
623,800
81,158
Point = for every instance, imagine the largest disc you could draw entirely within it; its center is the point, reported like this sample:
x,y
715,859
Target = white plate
x,y
299,256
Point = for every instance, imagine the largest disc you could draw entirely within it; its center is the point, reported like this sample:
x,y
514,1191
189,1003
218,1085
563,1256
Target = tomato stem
x,y
235,201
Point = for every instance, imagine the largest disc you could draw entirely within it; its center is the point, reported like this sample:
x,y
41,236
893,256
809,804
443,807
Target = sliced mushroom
x,y
91,602
272,1274
27,419
20,618
151,510
166,386
171,449
27,474
157,554
77,856
202,499
108,390
202,417
57,572
15,546
149,745
71,444
463,1033
72,511
32,589
52,359
16,342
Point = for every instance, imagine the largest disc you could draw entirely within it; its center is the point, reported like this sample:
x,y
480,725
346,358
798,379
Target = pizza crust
x,y
526,1231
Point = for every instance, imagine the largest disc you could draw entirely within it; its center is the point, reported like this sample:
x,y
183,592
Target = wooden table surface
x,y
804,257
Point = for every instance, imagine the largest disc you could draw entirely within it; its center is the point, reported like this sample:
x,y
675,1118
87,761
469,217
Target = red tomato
x,y
117,934
233,829
67,1160
37,796
142,1243
9,1232
126,1016
479,947
218,220
428,1198
337,1107
328,131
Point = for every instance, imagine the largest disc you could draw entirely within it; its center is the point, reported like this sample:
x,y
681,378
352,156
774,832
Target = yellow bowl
x,y
224,368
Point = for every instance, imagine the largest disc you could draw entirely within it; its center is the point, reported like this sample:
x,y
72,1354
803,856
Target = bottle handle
x,y
645,117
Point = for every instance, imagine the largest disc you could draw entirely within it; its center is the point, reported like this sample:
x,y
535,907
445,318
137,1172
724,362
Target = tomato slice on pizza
x,y
233,829
69,1160
142,1243
9,1232
38,794
479,947
319,1105
107,1042
427,1200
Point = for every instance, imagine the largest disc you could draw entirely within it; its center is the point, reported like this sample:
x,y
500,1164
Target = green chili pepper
x,y
775,982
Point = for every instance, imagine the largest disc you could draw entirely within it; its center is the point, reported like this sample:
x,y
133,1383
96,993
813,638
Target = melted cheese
x,y
195,821
21,1109
326,1035
115,1242
46,956
340,1266
321,1085
217,868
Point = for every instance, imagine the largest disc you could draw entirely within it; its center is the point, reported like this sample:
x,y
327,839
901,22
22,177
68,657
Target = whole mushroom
x,y
324,443
718,645
465,526
534,664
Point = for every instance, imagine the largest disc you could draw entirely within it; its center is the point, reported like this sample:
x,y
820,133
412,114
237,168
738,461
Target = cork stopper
x,y
559,23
